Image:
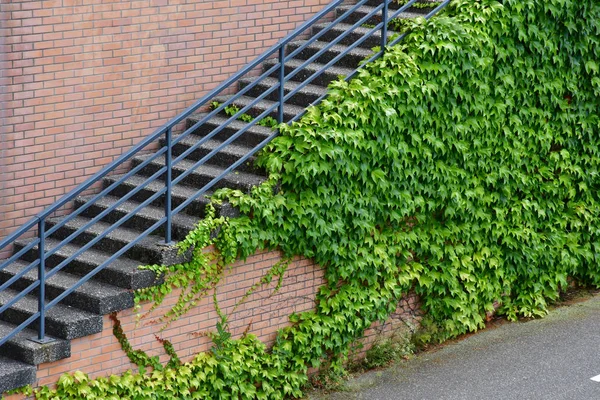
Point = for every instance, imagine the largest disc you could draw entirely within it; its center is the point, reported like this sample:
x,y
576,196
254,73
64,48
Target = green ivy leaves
x,y
463,164
458,160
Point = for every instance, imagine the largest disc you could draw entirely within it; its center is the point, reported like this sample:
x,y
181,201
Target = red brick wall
x,y
4,97
262,314
404,322
84,80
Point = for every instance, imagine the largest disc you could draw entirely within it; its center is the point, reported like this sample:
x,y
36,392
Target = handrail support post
x,y
169,184
281,83
384,28
42,338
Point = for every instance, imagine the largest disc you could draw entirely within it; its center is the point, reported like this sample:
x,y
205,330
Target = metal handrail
x,y
166,151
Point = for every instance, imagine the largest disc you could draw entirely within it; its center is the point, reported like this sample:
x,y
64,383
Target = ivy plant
x,y
462,165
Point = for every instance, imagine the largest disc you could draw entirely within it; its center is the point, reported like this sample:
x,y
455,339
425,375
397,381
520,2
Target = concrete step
x,y
305,96
142,220
149,250
21,348
224,158
179,193
15,374
354,36
62,321
203,175
251,138
350,60
366,10
324,79
122,272
289,111
95,297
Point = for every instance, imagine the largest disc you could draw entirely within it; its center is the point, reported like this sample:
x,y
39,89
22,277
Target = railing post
x,y
384,28
168,182
42,278
281,83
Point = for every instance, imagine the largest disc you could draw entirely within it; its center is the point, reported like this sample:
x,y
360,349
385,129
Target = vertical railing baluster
x,y
281,83
42,278
384,28
168,182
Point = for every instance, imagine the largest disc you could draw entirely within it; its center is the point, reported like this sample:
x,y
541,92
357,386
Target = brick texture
x,y
82,81
4,96
262,314
404,322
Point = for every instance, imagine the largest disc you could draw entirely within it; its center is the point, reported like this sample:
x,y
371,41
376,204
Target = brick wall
x,y
86,79
4,97
262,314
404,322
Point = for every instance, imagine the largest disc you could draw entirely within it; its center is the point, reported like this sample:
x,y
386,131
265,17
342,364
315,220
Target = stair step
x,y
15,374
375,19
289,111
251,138
350,60
21,348
92,296
354,36
224,158
393,5
305,96
122,272
203,174
179,193
142,220
149,250
324,79
62,321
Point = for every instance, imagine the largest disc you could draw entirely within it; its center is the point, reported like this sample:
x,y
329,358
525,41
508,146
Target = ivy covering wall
x,y
462,165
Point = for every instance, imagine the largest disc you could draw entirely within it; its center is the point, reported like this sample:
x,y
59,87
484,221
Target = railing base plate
x,y
45,340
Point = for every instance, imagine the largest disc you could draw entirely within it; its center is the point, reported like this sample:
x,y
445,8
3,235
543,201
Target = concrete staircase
x,y
80,314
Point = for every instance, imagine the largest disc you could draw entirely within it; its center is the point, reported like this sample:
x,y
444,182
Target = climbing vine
x,y
462,165
195,278
137,357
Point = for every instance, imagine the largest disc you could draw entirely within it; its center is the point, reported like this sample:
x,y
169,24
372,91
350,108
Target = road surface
x,y
557,357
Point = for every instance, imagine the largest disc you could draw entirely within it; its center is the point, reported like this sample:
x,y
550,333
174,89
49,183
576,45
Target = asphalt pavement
x,y
557,357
